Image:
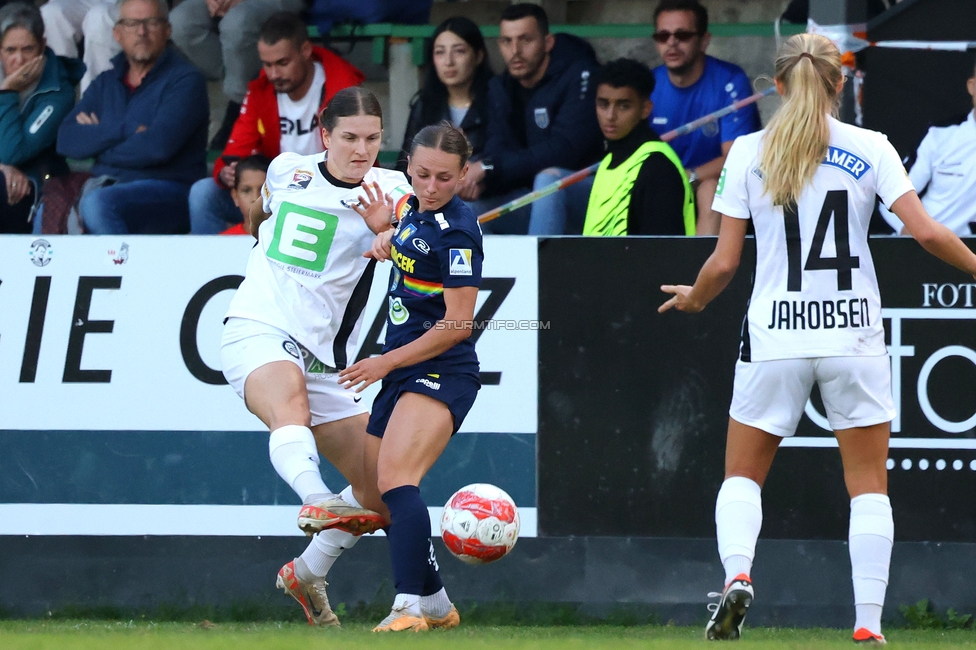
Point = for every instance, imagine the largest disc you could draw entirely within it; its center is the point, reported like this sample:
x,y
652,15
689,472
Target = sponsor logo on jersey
x,y
542,117
405,232
421,245
302,238
396,279
41,252
406,264
292,348
433,385
350,203
300,180
721,183
846,161
441,220
357,398
398,313
266,191
461,261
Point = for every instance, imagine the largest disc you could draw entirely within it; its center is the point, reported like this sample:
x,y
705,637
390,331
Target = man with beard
x,y
145,124
541,126
689,85
279,114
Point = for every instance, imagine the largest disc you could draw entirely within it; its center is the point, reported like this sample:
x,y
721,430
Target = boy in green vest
x,y
640,187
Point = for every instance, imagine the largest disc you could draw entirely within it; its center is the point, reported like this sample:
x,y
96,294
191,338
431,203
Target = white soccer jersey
x,y
307,274
815,292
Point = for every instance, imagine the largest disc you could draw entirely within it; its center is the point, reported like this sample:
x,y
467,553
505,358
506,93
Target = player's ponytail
x,y
795,142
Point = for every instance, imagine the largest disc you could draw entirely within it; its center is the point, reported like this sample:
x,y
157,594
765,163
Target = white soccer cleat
x,y
310,595
400,621
729,612
338,513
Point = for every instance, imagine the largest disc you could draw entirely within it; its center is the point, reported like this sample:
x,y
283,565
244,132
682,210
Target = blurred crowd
x,y
133,111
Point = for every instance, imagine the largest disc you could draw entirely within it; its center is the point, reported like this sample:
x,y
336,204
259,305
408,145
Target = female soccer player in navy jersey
x,y
814,316
429,367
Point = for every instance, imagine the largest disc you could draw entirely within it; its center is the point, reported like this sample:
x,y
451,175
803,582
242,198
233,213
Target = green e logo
x,y
303,237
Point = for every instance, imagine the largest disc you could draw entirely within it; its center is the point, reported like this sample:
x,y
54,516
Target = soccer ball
x,y
480,523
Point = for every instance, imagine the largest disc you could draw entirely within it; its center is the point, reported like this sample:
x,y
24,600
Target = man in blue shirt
x,y
145,124
690,85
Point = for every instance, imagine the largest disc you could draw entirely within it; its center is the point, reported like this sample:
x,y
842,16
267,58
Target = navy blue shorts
x,y
457,391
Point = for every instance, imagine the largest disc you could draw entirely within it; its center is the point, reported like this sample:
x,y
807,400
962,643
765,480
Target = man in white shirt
x,y
279,114
944,174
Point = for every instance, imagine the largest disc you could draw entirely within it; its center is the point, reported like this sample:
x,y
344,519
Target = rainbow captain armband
x,y
401,208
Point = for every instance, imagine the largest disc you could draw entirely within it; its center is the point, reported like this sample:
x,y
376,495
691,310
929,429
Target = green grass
x,y
105,635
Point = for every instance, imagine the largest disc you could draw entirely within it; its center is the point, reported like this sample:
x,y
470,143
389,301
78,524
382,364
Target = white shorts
x,y
247,345
771,395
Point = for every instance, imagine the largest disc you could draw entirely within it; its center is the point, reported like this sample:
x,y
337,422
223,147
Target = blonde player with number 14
x,y
808,183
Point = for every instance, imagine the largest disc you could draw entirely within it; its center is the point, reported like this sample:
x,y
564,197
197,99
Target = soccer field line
x,y
894,443
175,519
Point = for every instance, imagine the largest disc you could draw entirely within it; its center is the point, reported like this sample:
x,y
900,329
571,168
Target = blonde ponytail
x,y
795,142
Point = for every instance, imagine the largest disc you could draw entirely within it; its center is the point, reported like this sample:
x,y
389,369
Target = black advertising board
x,y
633,405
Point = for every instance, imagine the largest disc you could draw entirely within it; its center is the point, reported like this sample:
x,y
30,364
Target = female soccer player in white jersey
x,y
295,321
808,183
429,366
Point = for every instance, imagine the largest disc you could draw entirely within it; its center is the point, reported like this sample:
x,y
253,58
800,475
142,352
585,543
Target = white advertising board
x,y
122,333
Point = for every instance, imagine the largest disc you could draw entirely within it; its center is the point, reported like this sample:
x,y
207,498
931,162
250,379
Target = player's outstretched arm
x,y
715,275
932,235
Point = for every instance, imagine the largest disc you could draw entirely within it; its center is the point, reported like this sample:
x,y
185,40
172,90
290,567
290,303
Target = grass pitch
x,y
103,635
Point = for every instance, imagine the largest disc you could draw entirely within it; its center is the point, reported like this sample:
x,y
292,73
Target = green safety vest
x,y
606,213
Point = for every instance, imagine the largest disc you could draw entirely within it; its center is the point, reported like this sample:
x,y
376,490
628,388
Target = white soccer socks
x,y
296,459
326,547
738,519
872,535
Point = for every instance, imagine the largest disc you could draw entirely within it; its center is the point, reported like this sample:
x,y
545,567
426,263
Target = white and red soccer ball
x,y
480,523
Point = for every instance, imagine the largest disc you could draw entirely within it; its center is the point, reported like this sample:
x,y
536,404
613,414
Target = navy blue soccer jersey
x,y
432,251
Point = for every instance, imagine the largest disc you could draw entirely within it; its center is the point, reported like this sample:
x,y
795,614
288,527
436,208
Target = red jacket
x,y
257,129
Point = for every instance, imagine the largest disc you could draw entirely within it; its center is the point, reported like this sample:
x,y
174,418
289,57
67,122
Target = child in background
x,y
251,172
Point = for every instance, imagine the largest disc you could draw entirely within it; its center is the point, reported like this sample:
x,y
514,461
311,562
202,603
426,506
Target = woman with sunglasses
x,y
690,85
808,184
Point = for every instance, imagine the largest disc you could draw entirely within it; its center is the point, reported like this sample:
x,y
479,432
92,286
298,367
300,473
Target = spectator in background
x,y
37,91
455,86
220,38
944,174
248,180
67,21
280,113
541,117
145,124
640,187
690,85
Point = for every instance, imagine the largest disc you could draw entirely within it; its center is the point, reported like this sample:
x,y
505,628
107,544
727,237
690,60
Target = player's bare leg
x,y
864,451
749,454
